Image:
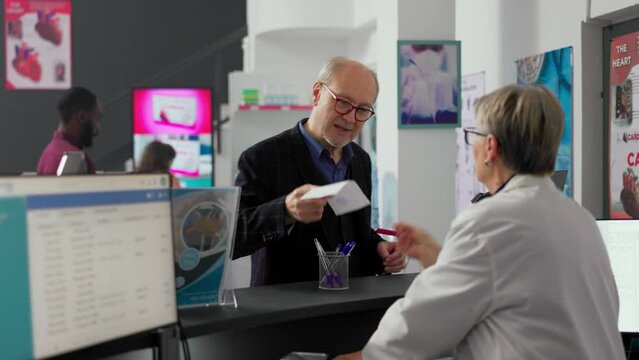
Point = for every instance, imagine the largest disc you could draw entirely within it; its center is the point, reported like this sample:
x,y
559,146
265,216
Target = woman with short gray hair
x,y
523,273
528,123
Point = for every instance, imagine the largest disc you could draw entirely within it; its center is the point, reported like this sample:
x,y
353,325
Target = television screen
x,y
182,118
86,259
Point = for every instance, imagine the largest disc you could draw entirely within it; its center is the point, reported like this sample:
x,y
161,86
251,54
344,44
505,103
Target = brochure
x,y
203,234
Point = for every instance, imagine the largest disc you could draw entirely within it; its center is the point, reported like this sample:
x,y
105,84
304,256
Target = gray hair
x,y
528,123
334,64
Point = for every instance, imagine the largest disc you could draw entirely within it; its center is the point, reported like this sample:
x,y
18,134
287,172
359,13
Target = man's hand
x,y
305,211
351,356
394,260
417,243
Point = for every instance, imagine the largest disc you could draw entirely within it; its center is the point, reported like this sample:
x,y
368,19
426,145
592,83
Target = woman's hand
x,y
417,243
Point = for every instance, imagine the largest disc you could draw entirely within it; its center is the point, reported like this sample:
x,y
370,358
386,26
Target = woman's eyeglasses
x,y
470,135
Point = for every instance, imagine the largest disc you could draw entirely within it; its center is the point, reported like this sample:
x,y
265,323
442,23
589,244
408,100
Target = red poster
x,y
37,44
623,118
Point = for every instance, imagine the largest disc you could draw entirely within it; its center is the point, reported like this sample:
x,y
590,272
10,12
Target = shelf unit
x,y
274,107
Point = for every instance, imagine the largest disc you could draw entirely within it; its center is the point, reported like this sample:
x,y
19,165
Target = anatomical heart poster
x,y
623,141
37,44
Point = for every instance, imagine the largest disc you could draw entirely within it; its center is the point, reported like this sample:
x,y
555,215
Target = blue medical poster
x,y
203,234
554,70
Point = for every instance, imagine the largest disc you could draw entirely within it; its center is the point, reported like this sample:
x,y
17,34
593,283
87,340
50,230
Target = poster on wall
x,y
623,188
466,184
429,75
37,44
554,70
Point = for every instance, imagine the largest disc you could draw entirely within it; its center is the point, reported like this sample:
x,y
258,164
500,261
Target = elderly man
x,y
275,225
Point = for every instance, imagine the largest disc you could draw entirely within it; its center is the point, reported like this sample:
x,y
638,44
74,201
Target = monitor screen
x,y
182,118
622,243
559,178
72,163
86,260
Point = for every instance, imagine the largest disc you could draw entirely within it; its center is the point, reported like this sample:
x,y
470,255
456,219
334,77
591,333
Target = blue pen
x,y
351,249
348,248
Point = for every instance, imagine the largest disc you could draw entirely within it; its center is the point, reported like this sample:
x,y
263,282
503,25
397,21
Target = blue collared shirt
x,y
322,159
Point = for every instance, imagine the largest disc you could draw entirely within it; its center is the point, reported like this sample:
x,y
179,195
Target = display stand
x,y
204,235
227,290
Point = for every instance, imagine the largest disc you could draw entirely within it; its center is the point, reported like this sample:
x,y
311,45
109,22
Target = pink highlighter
x,y
384,231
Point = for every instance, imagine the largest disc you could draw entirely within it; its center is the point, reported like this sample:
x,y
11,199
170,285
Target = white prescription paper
x,y
343,197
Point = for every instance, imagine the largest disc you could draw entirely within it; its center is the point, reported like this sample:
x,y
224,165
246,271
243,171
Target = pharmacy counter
x,y
271,321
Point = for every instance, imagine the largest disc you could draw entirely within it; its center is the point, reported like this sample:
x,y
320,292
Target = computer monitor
x,y
559,178
622,243
85,260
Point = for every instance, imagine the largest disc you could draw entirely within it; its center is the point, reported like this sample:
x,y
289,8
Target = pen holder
x,y
333,271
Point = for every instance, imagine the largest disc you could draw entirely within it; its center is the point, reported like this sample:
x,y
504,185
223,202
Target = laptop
x,y
72,162
559,178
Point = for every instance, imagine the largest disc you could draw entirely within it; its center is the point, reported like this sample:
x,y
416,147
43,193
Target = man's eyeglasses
x,y
344,107
470,135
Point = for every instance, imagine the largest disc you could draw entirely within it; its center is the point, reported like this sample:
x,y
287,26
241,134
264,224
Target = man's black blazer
x,y
270,170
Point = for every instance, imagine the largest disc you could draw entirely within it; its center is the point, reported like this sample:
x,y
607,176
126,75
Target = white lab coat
x,y
522,275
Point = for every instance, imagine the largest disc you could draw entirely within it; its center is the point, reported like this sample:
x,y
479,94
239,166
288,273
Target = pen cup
x,y
333,271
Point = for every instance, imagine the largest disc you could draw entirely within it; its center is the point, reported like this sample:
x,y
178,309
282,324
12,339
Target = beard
x,y
87,135
334,142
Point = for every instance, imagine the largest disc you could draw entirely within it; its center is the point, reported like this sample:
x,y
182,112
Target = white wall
x,y
277,15
606,7
473,26
295,54
387,132
364,12
426,180
362,45
515,29
422,161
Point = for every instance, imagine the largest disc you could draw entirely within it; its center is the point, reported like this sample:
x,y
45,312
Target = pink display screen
x,y
172,111
182,118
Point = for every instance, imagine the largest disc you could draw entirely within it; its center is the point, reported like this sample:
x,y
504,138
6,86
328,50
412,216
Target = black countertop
x,y
267,305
